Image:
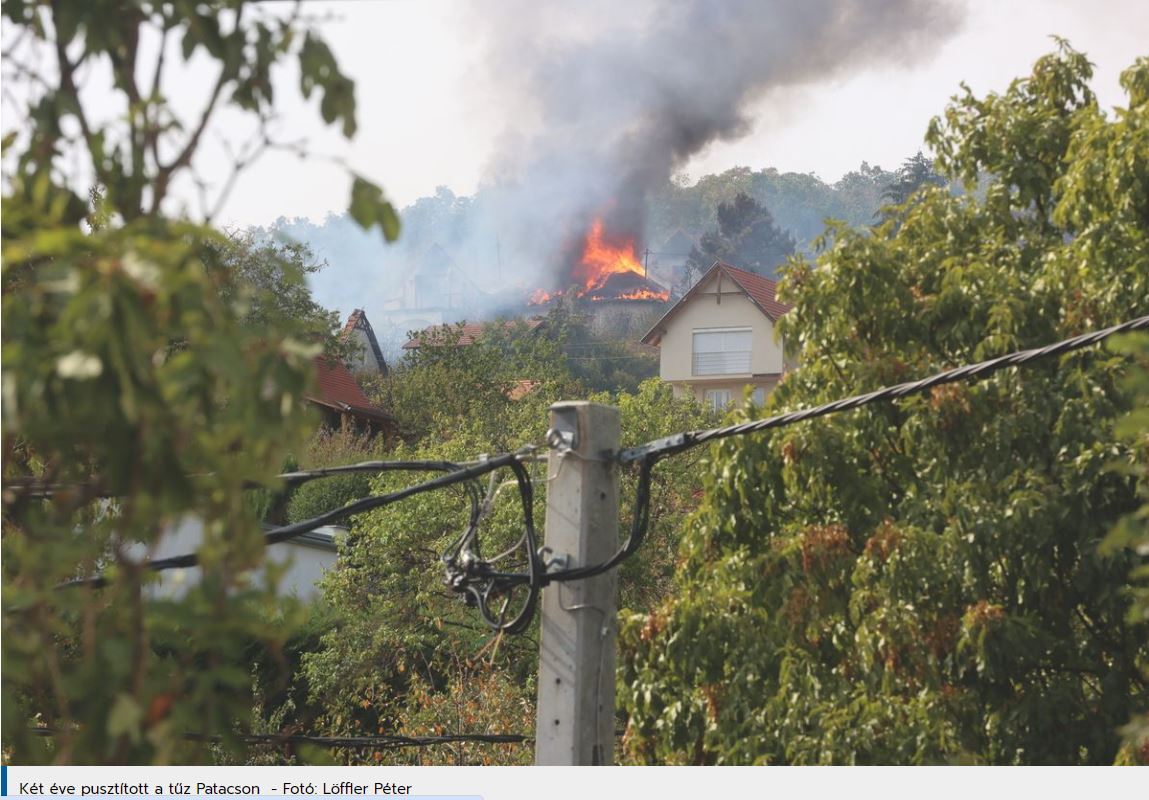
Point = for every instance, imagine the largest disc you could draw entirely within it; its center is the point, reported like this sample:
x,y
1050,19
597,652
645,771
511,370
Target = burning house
x,y
607,283
436,291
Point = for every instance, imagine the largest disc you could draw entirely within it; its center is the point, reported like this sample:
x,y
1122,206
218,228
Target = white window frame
x,y
723,361
719,399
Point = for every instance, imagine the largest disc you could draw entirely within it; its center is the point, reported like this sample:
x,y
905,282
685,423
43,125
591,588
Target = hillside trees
x,y
404,654
746,236
799,202
135,393
271,290
914,173
922,582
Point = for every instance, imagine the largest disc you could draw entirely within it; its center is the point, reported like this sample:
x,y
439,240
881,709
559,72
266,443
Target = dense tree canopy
x,y
922,582
916,171
746,236
148,375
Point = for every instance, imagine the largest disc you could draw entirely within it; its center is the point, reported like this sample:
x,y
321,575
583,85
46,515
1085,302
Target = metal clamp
x,y
563,435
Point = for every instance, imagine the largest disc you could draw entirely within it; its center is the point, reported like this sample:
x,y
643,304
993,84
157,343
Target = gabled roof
x,y
358,320
439,335
760,290
435,259
337,389
678,244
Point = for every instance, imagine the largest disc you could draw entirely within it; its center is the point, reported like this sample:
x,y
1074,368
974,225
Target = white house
x,y
305,559
719,338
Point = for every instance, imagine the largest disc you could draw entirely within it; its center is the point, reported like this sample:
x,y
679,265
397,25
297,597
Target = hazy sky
x,y
425,119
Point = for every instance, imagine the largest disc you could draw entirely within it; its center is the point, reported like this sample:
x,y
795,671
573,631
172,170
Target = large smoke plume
x,y
605,100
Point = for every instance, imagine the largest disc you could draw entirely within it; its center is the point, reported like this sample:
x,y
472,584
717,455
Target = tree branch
x,y
68,84
152,130
163,178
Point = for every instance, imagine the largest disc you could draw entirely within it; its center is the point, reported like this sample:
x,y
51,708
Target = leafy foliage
x,y
921,582
152,369
746,237
1132,531
271,291
328,449
915,173
405,655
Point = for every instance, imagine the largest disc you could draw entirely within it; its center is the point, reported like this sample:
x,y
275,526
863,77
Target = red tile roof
x,y
337,389
760,290
353,320
522,388
445,334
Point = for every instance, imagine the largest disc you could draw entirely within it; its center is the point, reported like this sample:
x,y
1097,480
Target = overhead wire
x,y
678,442
391,742
479,579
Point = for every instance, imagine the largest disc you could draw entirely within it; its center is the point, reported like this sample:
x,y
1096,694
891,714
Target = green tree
x,y
271,277
916,172
920,582
1131,533
406,656
135,392
746,237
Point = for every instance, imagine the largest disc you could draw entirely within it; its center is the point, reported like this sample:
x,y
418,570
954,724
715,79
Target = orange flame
x,y
601,259
644,294
539,297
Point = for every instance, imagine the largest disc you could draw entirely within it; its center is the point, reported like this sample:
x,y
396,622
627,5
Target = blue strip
x,y
3,781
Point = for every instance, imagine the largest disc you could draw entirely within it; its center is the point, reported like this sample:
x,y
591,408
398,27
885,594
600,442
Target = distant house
x,y
668,266
719,338
301,561
343,403
369,357
465,335
434,292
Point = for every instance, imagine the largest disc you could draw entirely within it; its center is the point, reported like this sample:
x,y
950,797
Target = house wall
x,y
718,304
308,558
698,390
362,360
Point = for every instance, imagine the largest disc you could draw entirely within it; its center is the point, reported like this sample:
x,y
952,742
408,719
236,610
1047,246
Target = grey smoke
x,y
606,100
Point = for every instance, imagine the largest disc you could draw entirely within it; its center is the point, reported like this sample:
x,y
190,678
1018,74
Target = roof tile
x,y
761,290
336,388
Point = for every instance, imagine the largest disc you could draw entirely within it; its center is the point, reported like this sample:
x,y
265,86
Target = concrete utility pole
x,y
575,723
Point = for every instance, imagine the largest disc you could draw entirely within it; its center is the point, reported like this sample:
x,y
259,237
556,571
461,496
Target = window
x,y
718,399
759,397
721,352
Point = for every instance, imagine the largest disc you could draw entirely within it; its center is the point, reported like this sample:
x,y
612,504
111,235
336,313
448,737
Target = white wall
x,y
717,306
308,558
363,359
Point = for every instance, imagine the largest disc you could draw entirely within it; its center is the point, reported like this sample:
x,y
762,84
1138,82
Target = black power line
x,y
364,742
649,454
468,572
670,445
479,580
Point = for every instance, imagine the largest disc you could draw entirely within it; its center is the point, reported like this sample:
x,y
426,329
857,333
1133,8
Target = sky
x,y
431,114
425,121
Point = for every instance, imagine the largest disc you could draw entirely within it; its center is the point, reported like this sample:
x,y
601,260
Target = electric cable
x,y
366,742
483,584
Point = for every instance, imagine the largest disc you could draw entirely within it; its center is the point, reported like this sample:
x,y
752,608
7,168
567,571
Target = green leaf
x,y
369,209
125,717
